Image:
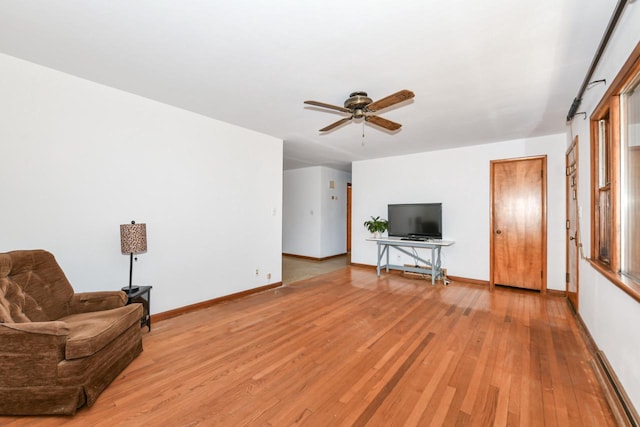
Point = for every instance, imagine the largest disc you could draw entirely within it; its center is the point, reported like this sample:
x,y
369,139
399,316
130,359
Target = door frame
x,y
349,224
543,220
568,176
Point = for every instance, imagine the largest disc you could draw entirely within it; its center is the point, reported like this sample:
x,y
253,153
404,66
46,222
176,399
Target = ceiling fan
x,y
359,105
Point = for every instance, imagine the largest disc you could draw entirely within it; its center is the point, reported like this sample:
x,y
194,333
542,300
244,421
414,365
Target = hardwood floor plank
x,y
386,384
428,392
445,403
349,348
475,355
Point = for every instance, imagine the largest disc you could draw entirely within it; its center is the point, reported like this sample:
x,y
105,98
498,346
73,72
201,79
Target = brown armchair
x,y
58,350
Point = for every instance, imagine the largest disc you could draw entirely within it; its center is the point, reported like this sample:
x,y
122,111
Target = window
x,y
630,182
615,172
603,200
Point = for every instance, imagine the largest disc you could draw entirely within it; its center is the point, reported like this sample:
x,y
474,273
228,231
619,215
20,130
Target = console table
x,y
432,267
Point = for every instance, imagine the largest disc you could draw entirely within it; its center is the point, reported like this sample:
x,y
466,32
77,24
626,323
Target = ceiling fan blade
x,y
387,124
332,107
336,124
390,100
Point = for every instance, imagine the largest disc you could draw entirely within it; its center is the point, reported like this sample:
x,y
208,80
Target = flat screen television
x,y
415,220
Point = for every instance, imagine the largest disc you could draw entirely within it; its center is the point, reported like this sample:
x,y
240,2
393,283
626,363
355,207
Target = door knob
x,y
573,237
498,231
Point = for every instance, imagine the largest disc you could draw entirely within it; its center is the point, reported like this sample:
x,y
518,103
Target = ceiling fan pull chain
x,y
363,133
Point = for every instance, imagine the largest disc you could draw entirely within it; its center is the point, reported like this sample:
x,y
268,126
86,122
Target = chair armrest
x,y
30,353
85,302
55,328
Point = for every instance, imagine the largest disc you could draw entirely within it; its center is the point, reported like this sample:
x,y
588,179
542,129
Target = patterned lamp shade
x,y
133,238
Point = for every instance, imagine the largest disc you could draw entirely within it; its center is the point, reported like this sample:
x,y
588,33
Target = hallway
x,y
295,268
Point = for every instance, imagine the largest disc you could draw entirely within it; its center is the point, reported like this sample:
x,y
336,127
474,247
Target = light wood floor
x,y
347,348
295,268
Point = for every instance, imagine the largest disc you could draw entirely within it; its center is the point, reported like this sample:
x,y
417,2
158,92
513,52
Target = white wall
x,y
301,212
334,211
610,315
314,215
79,159
460,179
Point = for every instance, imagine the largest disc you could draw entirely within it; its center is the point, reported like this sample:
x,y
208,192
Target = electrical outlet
x,y
257,272
268,276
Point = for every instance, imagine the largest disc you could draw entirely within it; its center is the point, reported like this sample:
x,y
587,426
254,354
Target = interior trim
x,y
619,402
314,258
451,278
467,280
204,304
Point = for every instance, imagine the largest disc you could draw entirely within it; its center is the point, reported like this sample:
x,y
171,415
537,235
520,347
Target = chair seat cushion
x,y
90,332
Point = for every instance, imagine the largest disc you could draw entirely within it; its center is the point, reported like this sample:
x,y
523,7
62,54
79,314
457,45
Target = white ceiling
x,y
482,71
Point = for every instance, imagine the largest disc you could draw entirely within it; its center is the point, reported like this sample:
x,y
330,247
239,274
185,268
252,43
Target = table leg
x,y
388,249
434,269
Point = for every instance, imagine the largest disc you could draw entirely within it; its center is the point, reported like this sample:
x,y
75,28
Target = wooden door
x,y
518,223
572,224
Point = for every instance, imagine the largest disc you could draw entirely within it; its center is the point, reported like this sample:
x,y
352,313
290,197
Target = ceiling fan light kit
x,y
359,106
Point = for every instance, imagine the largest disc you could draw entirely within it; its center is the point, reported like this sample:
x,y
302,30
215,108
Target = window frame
x,y
609,109
629,180
602,240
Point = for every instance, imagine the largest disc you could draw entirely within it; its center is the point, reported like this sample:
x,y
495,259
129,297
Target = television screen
x,y
415,220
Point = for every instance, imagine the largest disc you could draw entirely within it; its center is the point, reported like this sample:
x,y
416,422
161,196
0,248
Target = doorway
x,y
518,241
348,223
573,253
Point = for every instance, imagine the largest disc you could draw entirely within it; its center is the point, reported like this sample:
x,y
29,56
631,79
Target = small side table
x,y
141,295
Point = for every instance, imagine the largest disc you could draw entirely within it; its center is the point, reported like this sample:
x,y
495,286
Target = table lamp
x,y
133,240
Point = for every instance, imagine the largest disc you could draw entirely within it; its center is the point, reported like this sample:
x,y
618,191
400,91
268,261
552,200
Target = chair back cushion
x,y
14,304
33,287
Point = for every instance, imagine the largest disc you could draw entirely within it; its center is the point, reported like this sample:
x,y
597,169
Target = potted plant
x,y
376,226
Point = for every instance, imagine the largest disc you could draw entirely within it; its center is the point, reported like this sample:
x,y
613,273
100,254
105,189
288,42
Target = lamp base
x,y
132,290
